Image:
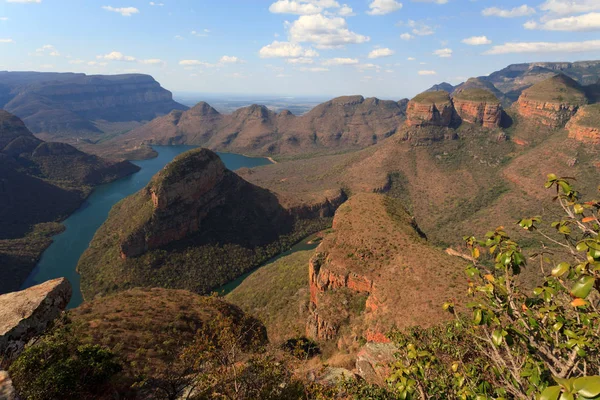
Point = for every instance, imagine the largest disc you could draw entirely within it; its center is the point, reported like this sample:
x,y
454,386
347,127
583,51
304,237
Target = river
x,y
60,259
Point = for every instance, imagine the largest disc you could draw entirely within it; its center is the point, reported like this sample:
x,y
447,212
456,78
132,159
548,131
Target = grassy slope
x,y
559,89
277,294
475,94
440,96
591,116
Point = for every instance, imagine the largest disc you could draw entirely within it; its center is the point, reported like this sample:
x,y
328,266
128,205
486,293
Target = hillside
x,y
196,226
40,182
70,105
341,124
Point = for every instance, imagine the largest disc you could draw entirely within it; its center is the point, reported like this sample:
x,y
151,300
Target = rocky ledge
x,y
26,314
478,106
431,109
551,102
585,125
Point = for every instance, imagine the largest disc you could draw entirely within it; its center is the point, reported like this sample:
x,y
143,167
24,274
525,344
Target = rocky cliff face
x,y
347,122
198,225
374,271
26,314
431,109
478,106
585,125
551,102
62,104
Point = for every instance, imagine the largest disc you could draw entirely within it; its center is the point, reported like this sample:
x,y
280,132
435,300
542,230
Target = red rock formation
x,y
431,109
585,125
551,102
473,112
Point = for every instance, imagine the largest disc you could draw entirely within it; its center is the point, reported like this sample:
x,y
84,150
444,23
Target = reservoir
x,y
60,259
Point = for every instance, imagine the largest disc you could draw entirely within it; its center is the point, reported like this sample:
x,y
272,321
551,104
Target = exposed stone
x,y
7,390
331,376
431,109
26,314
585,125
478,106
373,361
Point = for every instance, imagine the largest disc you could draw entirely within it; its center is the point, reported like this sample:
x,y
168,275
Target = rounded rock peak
x,y
203,108
439,96
190,162
11,124
348,100
285,113
477,95
557,89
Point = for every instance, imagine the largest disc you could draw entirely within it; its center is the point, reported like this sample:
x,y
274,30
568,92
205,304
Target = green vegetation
x,y
476,94
277,294
560,89
440,96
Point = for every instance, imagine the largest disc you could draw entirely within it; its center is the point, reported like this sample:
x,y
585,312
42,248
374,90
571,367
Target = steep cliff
x,y
376,270
585,125
197,226
551,102
478,106
431,109
67,104
40,182
26,314
348,122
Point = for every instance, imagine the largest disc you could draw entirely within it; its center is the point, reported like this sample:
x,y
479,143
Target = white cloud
x,y
152,61
324,32
285,49
97,64
368,66
419,28
47,49
204,33
194,63
425,72
477,40
545,47
382,7
411,59
294,7
580,23
3,18
124,11
78,61
381,52
521,11
116,56
406,36
282,76
178,37
300,60
341,61
23,1
230,60
46,66
443,53
6,41
156,4
346,11
432,1
313,69
565,7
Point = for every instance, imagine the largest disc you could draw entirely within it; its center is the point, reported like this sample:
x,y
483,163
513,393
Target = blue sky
x,y
385,48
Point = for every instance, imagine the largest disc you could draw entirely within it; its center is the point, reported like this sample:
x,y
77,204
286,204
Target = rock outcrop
x,y
376,271
69,103
585,125
199,219
7,390
348,122
551,102
431,109
26,314
478,106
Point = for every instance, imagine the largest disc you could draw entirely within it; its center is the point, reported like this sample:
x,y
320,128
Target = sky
x,y
386,48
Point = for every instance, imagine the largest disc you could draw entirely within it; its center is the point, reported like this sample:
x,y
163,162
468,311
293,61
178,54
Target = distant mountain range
x,y
69,104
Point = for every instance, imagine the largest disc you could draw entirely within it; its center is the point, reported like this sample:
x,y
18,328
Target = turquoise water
x,y
60,259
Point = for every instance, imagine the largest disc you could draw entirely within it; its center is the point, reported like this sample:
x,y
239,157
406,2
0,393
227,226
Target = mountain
x,y
553,101
515,78
344,123
445,86
40,182
196,226
68,104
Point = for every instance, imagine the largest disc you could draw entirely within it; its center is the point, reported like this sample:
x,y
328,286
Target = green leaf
x,y
561,269
588,386
497,337
578,208
477,316
583,286
550,393
582,246
566,396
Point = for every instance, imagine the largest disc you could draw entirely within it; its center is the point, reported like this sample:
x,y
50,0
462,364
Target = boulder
x,y
26,314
